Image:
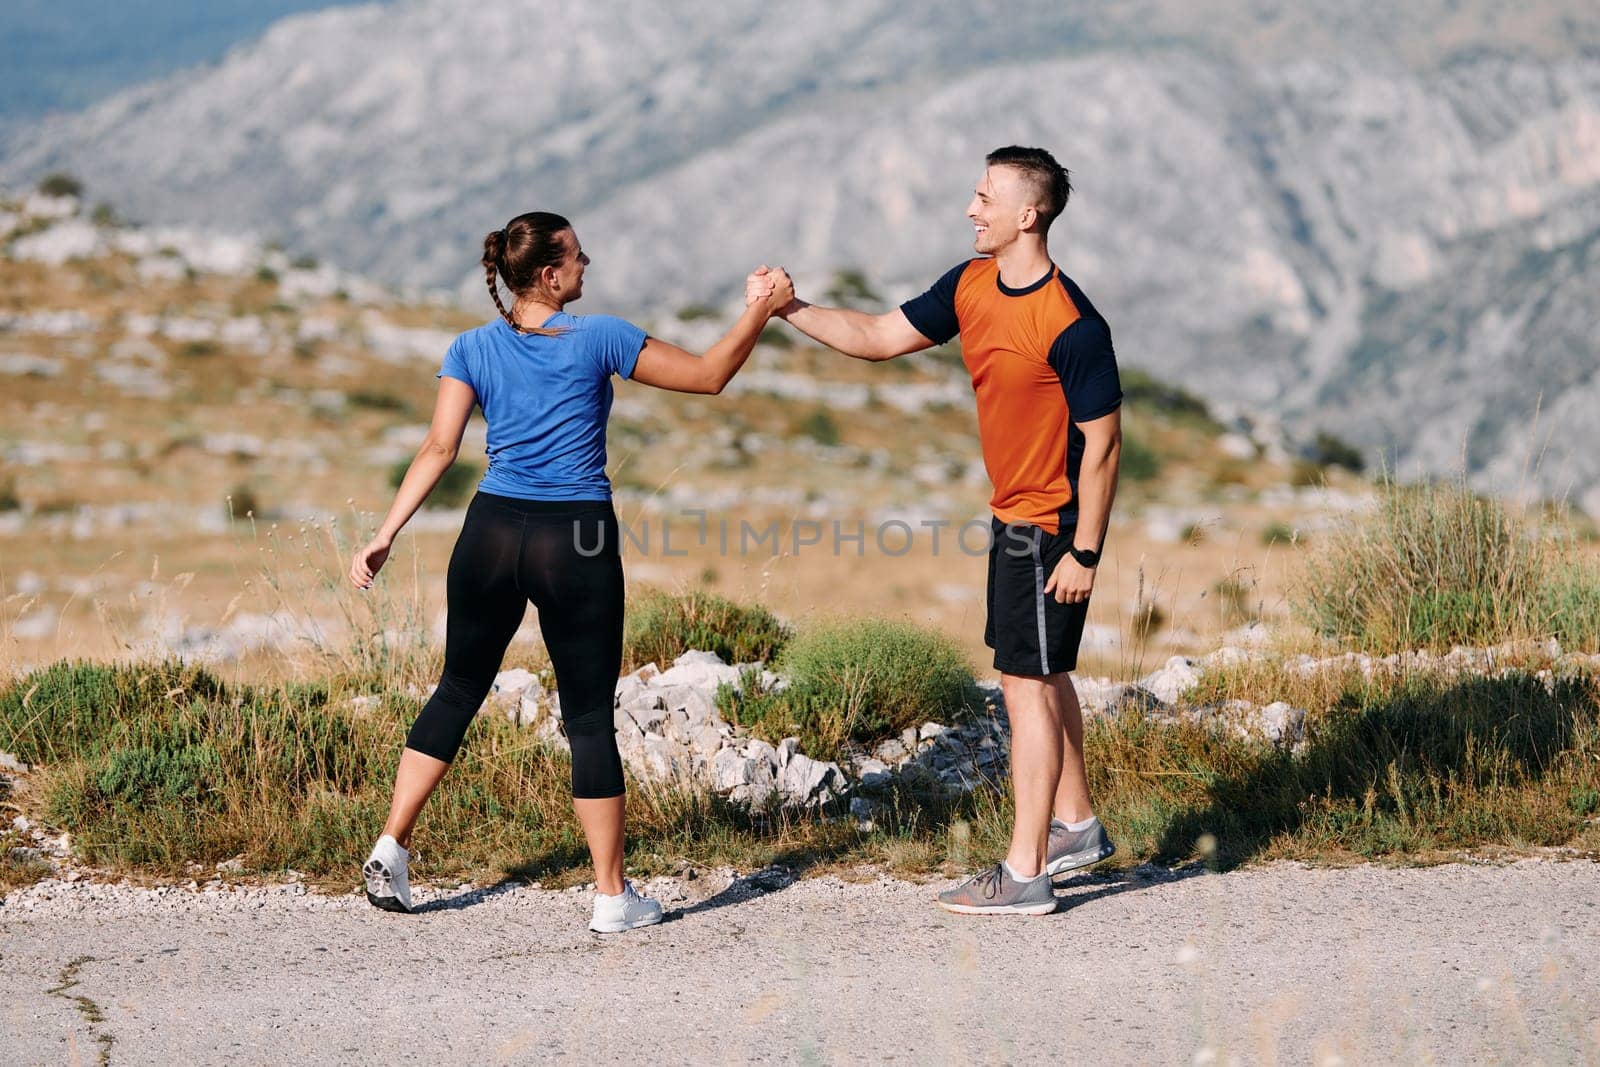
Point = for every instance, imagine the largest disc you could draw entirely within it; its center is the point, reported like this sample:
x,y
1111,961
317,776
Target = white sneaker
x,y
385,871
625,911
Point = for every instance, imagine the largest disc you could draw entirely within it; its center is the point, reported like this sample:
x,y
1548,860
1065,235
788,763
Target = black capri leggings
x,y
563,556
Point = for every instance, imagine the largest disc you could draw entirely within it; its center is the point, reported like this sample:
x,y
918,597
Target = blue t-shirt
x,y
546,400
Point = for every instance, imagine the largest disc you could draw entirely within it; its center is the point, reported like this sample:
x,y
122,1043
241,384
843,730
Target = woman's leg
x,y
579,596
485,608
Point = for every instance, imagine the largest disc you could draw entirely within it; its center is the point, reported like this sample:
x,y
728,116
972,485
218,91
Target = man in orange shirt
x,y
1049,422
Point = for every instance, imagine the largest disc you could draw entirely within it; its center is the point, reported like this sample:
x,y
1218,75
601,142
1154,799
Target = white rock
x,y
647,710
930,730
1282,723
729,770
1172,681
874,774
706,738
1226,656
703,670
26,365
761,752
787,749
804,780
70,239
664,760
695,703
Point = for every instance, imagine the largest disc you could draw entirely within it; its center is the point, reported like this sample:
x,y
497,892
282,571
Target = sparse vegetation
x,y
376,400
662,626
1280,533
60,184
697,313
775,336
860,681
9,501
295,775
242,503
1327,450
850,288
1235,599
455,486
1143,393
821,427
1139,463
1438,565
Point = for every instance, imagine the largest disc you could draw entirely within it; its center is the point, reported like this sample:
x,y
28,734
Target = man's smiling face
x,y
999,208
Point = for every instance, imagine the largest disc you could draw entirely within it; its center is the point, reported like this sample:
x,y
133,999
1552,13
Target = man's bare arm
x,y
855,333
1072,582
1097,478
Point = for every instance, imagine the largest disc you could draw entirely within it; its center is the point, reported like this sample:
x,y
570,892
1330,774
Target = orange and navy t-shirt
x,y
1041,362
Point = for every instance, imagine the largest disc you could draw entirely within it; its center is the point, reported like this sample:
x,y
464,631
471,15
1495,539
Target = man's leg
x,y
1034,704
1072,804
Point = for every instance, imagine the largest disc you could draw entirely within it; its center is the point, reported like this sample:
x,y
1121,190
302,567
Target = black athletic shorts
x,y
1029,631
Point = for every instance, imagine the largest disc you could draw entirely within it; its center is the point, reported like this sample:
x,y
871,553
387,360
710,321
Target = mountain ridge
x,y
1264,231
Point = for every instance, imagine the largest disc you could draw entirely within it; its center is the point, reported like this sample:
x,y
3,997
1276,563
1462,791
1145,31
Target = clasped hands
x,y
772,285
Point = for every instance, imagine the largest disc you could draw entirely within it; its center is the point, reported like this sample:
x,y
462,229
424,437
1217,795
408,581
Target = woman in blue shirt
x,y
543,380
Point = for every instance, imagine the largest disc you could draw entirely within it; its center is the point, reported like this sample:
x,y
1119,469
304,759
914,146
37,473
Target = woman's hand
x,y
782,294
368,561
771,286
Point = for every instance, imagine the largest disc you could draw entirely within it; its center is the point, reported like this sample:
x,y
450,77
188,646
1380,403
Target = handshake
x,y
773,287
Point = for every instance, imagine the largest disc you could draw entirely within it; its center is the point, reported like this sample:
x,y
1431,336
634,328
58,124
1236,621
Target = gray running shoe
x,y
1070,850
995,892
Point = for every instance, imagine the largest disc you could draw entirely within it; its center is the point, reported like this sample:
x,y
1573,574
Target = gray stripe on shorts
x,y
1038,602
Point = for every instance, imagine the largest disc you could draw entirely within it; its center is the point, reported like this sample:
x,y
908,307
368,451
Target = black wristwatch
x,y
1086,557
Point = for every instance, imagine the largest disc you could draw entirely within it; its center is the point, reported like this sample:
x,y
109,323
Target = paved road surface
x,y
1456,964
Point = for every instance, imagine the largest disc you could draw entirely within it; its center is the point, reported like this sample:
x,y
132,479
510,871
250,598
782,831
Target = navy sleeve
x,y
455,363
617,343
1087,366
934,312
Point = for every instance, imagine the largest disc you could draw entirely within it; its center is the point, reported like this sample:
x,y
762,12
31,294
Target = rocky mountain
x,y
1375,221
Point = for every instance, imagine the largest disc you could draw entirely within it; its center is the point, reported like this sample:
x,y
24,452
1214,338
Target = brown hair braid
x,y
528,244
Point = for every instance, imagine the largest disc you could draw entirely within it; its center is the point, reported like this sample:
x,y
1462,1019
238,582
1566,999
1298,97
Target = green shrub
x,y
1139,463
1141,392
850,288
374,400
67,708
861,681
60,184
9,501
1280,533
242,503
821,428
697,313
1438,565
454,489
663,626
1233,598
775,336
1330,451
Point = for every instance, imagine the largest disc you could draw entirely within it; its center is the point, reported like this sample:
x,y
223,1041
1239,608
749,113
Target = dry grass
x,y
1439,565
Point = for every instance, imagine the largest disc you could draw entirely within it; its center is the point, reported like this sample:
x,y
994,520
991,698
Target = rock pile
x,y
669,729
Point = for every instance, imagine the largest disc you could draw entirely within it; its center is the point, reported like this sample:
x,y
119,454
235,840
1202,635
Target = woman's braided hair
x,y
528,244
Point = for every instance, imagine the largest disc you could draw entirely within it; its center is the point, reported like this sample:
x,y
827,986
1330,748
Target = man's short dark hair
x,y
1051,183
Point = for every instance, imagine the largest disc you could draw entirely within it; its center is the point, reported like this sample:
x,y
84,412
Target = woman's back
x,y
546,400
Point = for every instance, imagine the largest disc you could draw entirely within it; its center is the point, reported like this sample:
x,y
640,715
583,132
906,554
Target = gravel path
x,y
1457,964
